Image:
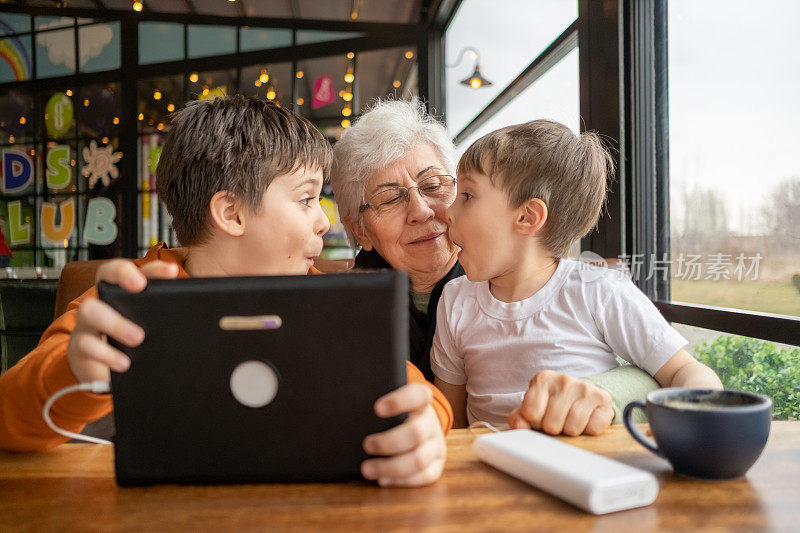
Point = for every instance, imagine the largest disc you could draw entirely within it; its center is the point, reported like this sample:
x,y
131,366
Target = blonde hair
x,y
545,160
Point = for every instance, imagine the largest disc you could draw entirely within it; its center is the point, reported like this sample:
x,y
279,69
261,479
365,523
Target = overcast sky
x,y
734,77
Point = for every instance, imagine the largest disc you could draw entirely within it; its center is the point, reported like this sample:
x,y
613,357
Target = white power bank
x,y
587,480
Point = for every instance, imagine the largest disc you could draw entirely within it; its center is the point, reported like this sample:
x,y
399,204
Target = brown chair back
x,y
76,278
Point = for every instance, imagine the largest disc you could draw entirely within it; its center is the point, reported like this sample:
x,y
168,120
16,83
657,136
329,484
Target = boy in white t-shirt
x,y
525,194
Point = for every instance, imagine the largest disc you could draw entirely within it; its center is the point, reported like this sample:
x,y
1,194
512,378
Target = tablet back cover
x,y
342,343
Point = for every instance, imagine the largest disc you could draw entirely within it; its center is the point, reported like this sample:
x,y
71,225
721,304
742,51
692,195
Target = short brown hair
x,y
544,159
236,144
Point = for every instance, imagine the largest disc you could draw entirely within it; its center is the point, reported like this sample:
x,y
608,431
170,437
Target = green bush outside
x,y
743,363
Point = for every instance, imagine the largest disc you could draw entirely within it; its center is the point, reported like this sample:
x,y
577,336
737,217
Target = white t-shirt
x,y
576,324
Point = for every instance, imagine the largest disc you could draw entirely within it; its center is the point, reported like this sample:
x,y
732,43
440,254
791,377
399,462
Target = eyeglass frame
x,y
407,196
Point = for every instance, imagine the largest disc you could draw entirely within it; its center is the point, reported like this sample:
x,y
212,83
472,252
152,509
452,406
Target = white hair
x,y
379,138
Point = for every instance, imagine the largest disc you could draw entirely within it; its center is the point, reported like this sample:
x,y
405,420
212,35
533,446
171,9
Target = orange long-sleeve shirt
x,y
26,386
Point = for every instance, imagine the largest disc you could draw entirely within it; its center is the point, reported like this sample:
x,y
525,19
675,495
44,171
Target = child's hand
x,y
89,354
414,452
557,403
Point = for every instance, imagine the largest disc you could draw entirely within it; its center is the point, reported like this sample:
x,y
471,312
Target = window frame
x,y
623,52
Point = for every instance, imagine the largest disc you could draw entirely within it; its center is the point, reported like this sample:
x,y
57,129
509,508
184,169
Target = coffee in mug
x,y
714,434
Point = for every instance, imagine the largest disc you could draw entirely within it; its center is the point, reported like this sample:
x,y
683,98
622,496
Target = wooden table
x,y
73,488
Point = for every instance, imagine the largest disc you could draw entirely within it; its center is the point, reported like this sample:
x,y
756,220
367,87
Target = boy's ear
x,y
226,214
361,234
531,216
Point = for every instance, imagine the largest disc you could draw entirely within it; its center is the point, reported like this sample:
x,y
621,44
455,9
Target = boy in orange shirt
x,y
241,178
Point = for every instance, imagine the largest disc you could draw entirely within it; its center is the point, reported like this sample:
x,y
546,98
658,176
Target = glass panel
x,y
149,234
160,41
158,97
55,53
49,23
207,41
101,231
17,122
14,23
379,71
734,175
211,84
60,160
96,108
263,38
316,36
15,58
99,47
59,115
150,219
554,96
328,112
507,38
17,216
278,84
744,363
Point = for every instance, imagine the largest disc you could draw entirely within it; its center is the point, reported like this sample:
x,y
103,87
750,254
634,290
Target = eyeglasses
x,y
433,189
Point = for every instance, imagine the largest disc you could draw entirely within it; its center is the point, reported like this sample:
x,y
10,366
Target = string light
x,y
22,120
104,140
345,123
86,103
157,95
171,108
300,101
270,94
137,6
264,78
205,91
69,92
347,96
396,84
475,83
193,77
347,112
116,120
349,77
258,83
350,55
299,74
160,126
11,139
409,54
141,116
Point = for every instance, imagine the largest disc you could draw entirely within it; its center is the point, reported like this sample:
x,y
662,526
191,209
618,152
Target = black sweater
x,y
421,325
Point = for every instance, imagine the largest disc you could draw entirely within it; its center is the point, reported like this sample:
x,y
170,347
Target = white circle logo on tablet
x,y
254,384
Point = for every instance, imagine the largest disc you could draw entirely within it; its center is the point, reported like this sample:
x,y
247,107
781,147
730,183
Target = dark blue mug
x,y
715,434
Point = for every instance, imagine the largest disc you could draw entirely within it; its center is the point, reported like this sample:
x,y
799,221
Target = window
x,y
734,176
507,36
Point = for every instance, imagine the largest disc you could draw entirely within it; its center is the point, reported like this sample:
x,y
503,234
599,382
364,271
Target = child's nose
x,y
322,223
449,214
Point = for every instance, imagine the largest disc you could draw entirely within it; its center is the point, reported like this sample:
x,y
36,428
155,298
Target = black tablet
x,y
258,379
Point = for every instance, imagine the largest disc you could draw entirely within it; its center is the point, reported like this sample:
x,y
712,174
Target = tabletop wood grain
x,y
72,488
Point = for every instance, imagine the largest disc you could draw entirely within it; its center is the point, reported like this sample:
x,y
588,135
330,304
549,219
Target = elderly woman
x,y
393,180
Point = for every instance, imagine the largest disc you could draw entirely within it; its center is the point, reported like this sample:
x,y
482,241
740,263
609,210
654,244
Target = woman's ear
x,y
531,216
360,233
226,214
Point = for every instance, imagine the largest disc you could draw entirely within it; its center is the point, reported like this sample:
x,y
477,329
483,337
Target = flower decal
x,y
100,164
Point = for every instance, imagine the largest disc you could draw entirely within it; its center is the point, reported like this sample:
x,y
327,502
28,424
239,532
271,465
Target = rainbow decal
x,y
15,54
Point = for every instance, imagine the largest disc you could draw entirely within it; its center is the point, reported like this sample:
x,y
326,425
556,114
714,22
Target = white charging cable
x,y
97,387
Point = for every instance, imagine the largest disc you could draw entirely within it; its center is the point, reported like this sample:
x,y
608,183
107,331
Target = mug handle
x,y
634,431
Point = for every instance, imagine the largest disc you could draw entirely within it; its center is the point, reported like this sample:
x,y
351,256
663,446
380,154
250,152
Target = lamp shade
x,y
476,80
